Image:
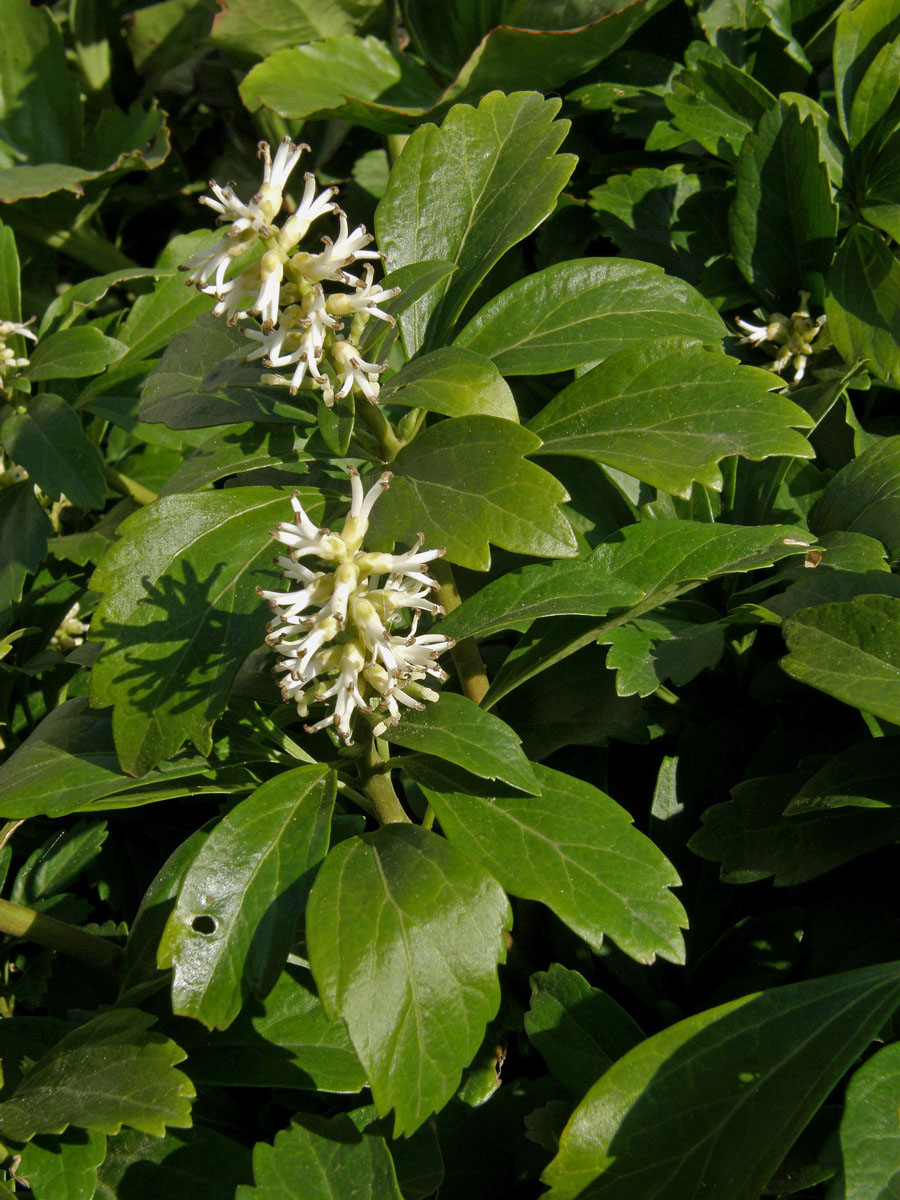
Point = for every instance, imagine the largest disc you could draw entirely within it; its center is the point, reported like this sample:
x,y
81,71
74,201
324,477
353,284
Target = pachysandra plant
x,y
360,871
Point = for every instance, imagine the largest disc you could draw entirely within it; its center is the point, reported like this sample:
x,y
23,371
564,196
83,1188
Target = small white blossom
x,y
284,286
334,628
792,336
9,361
71,630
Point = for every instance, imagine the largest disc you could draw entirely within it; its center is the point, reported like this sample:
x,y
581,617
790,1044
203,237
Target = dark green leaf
x,y
42,117
321,1160
752,837
860,32
578,1030
107,1073
466,483
49,442
10,298
573,848
404,934
199,1163
717,104
849,651
452,381
638,568
73,353
864,497
710,1106
177,628
467,192
155,318
233,923
200,382
671,217
783,219
24,530
56,864
422,281
862,302
235,451
870,1132
460,732
668,411
865,776
581,312
283,1041
69,762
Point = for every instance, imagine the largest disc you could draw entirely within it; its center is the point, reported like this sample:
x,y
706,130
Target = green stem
x,y
466,656
378,425
21,922
128,487
376,781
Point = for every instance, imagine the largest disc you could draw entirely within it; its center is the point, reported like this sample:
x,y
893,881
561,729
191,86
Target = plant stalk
x,y
89,948
466,656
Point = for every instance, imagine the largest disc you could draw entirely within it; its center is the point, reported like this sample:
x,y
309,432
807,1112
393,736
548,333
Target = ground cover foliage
x,y
615,914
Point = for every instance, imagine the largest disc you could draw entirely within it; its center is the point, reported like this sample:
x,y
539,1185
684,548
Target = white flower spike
x,y
334,629
790,337
9,362
301,323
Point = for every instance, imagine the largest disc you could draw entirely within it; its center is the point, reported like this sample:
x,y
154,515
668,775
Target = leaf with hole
x,y
233,923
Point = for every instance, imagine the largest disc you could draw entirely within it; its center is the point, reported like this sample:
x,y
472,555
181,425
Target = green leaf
x,y
73,353
258,27
233,923
10,297
321,1160
572,848
49,442
42,114
155,318
860,32
747,1076
177,628
404,933
715,103
881,206
467,192
668,411
849,651
466,483
460,732
862,302
199,1163
69,762
24,530
234,451
105,1074
581,312
671,217
283,1041
340,77
452,381
59,862
864,776
637,569
783,220
578,1030
200,382
864,496
63,1168
420,281
752,838
874,104
870,1133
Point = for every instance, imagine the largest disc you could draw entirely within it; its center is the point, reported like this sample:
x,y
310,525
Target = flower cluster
x,y
334,630
793,336
8,359
302,326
